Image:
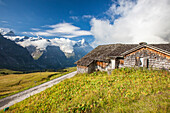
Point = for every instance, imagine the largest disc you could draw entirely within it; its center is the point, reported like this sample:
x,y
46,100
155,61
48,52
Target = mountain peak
x,y
82,41
10,33
2,31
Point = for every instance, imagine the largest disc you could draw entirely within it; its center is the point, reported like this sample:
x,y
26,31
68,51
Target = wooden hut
x,y
108,57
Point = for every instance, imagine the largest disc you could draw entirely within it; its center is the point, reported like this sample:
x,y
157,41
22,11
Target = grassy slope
x,y
13,83
125,90
7,71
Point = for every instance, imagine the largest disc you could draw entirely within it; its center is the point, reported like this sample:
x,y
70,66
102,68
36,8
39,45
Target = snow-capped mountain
x,y
40,44
11,33
51,53
4,31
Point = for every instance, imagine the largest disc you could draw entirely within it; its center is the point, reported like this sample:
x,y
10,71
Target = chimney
x,y
142,43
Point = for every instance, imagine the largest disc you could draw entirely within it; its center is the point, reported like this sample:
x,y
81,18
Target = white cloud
x,y
87,16
35,29
145,20
75,18
122,7
66,30
4,21
66,45
39,44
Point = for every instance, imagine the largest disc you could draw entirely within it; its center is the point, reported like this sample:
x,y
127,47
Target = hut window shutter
x,y
137,61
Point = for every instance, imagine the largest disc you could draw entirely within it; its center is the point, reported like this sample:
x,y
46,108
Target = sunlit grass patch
x,y
13,83
125,90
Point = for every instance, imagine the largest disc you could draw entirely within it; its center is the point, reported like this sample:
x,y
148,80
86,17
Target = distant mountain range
x,y
43,53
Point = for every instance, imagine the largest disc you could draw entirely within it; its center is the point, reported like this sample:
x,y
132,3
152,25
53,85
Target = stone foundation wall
x,y
82,69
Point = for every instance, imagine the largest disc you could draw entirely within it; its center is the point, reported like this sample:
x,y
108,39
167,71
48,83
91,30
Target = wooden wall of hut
x,y
91,67
102,64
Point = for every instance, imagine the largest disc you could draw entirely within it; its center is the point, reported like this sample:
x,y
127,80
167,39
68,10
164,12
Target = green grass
x,y
14,83
125,90
7,71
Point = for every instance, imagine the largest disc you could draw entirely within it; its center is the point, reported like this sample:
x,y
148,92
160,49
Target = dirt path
x,y
13,99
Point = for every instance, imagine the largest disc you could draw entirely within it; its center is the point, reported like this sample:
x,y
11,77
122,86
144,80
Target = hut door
x,y
141,62
113,64
146,62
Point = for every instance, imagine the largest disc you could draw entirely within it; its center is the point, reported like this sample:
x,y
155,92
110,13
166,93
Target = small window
x,y
139,62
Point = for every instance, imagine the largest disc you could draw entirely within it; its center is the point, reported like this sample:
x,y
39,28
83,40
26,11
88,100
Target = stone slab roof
x,y
103,52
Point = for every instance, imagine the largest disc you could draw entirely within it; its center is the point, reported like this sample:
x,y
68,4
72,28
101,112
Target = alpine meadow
x,y
125,90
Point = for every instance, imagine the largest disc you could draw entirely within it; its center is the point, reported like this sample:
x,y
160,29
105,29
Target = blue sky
x,y
25,15
97,21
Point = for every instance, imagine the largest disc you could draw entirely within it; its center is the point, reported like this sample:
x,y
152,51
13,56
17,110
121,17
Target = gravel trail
x,y
13,99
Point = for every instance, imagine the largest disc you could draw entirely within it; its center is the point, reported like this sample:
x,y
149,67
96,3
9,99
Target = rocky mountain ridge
x,y
13,56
